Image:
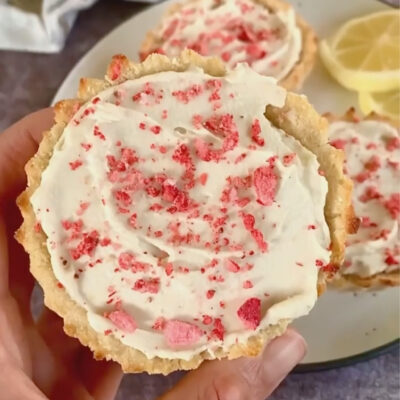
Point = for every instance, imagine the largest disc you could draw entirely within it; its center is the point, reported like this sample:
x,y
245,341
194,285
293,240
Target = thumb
x,y
243,378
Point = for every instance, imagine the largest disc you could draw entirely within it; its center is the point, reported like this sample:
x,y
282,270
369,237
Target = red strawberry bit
x,y
232,266
255,133
247,284
132,220
170,29
151,285
129,156
373,164
180,334
123,197
392,205
86,246
319,263
37,227
390,260
83,206
203,178
288,159
156,129
255,51
210,293
179,199
98,133
311,227
393,164
126,260
107,332
265,182
250,313
142,126
226,56
197,121
96,100
393,144
75,164
207,320
338,143
164,114
219,330
370,193
86,146
367,223
159,324
362,176
185,96
116,67
122,320
105,242
60,285
221,126
169,269
371,146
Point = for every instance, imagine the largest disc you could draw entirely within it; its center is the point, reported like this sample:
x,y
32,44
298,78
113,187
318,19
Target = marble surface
x,y
29,81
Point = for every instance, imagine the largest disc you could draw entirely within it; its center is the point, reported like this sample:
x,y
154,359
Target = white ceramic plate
x,y
343,327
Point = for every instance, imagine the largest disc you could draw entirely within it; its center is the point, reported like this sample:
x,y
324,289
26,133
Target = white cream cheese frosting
x,y
237,31
179,217
373,163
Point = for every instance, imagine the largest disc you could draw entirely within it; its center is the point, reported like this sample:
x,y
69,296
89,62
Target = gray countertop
x,y
29,81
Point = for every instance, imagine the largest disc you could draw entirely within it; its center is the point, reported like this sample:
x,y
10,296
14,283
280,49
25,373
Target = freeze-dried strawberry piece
x,y
250,313
255,133
248,221
362,176
338,143
170,29
230,265
185,96
255,51
222,126
122,320
75,164
159,324
373,164
179,333
219,330
288,159
203,178
126,260
87,245
370,193
197,121
151,285
129,156
367,223
210,293
207,320
390,260
392,204
179,199
265,182
393,144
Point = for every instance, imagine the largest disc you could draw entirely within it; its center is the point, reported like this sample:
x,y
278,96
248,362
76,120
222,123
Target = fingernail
x,y
282,355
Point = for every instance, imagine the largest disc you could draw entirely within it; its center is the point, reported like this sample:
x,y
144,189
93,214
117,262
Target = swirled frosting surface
x,y
373,162
179,217
237,31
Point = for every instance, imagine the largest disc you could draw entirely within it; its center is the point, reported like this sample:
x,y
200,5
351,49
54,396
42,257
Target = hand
x,y
38,361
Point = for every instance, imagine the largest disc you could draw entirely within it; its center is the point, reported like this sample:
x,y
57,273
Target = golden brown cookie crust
x,y
294,80
58,300
382,279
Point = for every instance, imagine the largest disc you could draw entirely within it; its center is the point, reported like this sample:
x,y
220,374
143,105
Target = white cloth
x,y
38,25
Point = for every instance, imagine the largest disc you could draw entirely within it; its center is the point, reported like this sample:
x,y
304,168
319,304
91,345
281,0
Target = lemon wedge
x,y
364,54
387,104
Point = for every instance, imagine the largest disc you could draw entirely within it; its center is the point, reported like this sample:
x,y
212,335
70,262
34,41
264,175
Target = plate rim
x,y
348,361
302,367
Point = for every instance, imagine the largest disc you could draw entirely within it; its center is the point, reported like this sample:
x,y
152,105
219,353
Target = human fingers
x,y
18,144
100,378
243,378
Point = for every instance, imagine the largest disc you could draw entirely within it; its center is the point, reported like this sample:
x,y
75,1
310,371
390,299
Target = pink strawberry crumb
x,y
250,313
122,320
180,334
265,183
